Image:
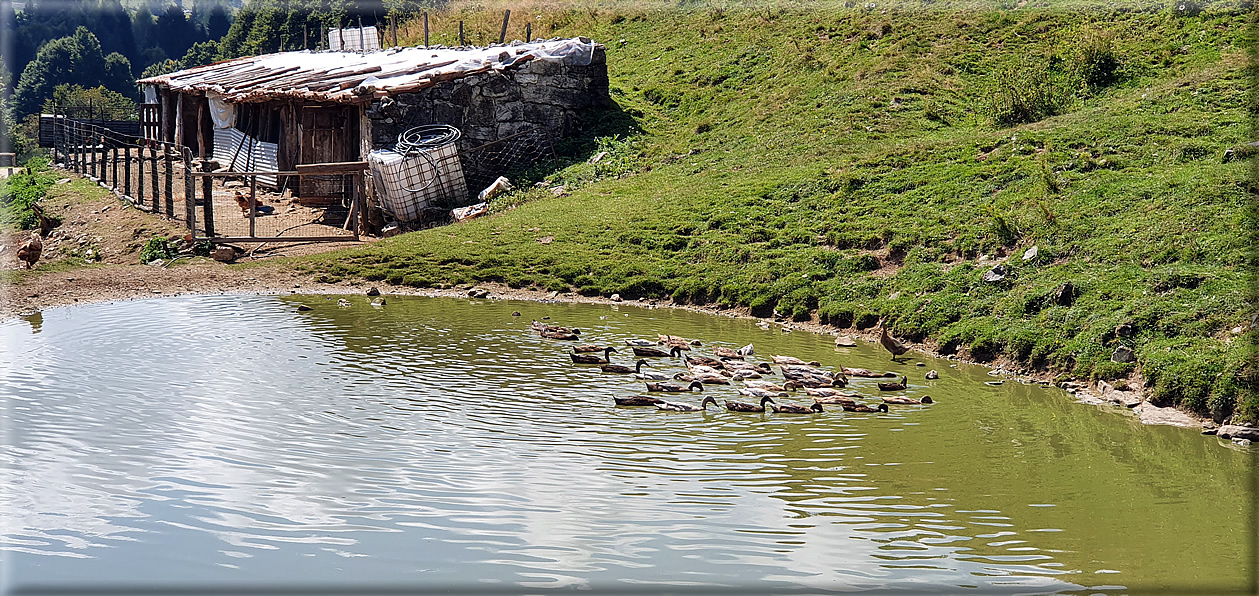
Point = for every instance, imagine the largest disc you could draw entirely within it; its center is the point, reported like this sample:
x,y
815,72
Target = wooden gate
x,y
323,141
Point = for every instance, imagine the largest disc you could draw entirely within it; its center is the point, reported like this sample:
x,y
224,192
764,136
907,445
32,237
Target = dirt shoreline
x,y
118,276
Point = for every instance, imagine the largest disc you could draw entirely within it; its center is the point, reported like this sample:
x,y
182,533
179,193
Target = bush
x,y
1094,61
1028,91
20,191
158,247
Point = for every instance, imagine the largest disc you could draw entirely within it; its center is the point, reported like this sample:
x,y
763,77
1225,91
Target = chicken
x,y
245,203
31,249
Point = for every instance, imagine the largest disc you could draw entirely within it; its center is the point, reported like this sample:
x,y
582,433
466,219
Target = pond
x,y
229,442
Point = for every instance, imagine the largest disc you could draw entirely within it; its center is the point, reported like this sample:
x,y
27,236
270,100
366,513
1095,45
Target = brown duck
x,y
657,352
863,408
893,345
894,386
592,359
738,406
908,401
637,400
796,409
622,369
673,388
677,406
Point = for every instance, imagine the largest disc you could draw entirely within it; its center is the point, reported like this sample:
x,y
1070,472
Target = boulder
x,y
1124,330
844,341
1031,253
1235,431
995,274
373,291
1065,295
1152,414
223,254
616,297
932,375
1123,354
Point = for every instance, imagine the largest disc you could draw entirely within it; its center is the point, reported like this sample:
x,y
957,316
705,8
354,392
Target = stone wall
x,y
489,106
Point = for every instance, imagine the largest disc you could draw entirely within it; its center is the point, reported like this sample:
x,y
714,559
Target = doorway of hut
x,y
329,134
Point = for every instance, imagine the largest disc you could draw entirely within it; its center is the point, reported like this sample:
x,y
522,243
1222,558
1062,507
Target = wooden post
x,y
426,29
157,194
179,119
201,144
113,165
126,169
170,182
207,193
341,35
190,192
393,28
462,43
163,98
253,209
502,35
528,32
140,176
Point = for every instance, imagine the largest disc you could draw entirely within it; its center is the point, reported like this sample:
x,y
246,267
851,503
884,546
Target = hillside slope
x,y
849,165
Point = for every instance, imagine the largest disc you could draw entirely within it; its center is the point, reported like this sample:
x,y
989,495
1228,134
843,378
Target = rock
x,y
63,181
1235,431
1152,414
695,342
373,291
1242,442
844,341
1123,354
994,383
303,308
932,375
234,184
1228,155
1124,330
1065,295
1031,253
995,274
223,254
616,298
478,293
921,364
515,313
894,296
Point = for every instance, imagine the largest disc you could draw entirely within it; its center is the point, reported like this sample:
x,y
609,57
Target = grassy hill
x,y
847,164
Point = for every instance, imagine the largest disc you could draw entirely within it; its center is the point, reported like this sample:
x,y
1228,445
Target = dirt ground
x,y
94,256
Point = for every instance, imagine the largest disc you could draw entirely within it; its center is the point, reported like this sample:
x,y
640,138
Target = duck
x,y
894,386
652,376
681,342
793,360
567,336
724,352
694,361
657,352
745,373
842,399
738,406
672,388
893,345
758,392
585,349
677,406
637,400
747,350
770,385
642,343
908,401
855,407
932,375
866,373
707,379
590,359
828,392
797,409
622,369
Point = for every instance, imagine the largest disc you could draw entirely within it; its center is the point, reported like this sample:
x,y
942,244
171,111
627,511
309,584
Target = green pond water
x,y
227,443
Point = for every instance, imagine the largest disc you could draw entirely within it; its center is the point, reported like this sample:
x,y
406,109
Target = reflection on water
x,y
232,441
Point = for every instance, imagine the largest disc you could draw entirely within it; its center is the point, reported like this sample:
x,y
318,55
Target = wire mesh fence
x,y
524,155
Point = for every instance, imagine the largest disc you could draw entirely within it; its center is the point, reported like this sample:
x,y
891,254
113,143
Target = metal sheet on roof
x,y
347,77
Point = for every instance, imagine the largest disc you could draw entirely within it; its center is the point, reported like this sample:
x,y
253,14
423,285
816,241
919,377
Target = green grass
x,y
772,158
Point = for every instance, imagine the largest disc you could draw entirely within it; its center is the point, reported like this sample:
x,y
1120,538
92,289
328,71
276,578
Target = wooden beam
x,y
324,169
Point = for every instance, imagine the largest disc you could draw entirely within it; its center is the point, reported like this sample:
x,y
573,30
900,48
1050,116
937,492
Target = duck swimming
x,y
795,409
642,343
707,379
589,359
724,352
652,376
907,401
657,352
622,369
894,386
758,392
672,388
677,406
738,406
637,400
793,361
587,349
863,408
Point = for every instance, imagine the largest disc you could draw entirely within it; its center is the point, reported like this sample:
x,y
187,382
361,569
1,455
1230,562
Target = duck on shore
x,y
893,345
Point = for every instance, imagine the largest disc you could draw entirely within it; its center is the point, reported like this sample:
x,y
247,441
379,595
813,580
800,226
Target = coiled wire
x,y
419,140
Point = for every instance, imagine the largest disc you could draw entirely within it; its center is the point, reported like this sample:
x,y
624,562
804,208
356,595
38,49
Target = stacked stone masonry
x,y
493,105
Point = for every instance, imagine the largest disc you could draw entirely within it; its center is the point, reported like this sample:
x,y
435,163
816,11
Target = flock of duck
x,y
728,366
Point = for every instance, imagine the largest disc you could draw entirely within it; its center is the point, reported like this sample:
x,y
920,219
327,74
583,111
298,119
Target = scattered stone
x,y
303,308
921,364
478,293
598,156
1123,354
559,191
1235,431
223,254
616,298
234,184
994,383
372,291
695,342
63,181
894,296
515,313
995,274
552,295
343,303
844,341
932,375
1031,253
546,239
1152,414
1124,330
1242,442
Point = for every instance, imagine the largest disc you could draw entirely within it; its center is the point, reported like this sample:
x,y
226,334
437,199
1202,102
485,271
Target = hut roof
x,y
348,77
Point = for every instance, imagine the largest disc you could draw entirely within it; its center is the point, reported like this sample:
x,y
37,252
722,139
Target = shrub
x,y
1094,61
20,191
158,247
1028,91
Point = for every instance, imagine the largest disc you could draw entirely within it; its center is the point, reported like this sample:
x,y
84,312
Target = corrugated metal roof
x,y
348,77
